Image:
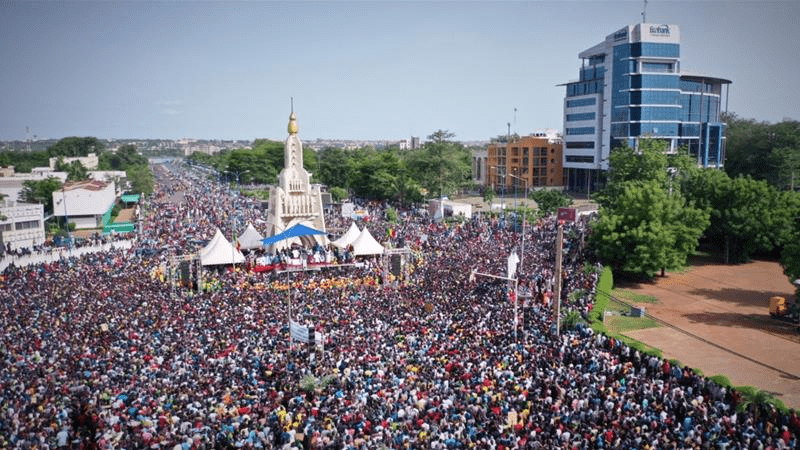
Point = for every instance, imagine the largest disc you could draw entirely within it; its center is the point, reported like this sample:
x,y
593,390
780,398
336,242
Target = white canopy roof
x,y
250,238
348,237
365,244
220,251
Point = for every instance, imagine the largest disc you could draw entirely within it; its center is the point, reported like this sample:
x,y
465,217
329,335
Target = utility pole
x,y
557,287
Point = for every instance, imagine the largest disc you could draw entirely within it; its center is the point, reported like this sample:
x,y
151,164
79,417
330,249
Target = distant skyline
x,y
372,70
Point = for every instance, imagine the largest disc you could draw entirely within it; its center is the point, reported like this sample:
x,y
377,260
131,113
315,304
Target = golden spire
x,y
292,123
292,119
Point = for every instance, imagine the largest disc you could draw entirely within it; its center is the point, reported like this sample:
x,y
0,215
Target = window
x,y
655,49
31,224
580,130
655,82
657,67
581,102
579,159
580,116
580,144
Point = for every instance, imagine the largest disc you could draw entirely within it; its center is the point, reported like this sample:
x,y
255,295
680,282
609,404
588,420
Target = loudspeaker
x,y
396,264
184,268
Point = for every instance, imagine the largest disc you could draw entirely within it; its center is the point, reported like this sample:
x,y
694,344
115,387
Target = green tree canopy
x,y
748,216
125,156
550,200
76,146
140,179
646,229
40,191
441,166
764,151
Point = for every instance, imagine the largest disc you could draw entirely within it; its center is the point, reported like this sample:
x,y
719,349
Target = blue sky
x,y
357,70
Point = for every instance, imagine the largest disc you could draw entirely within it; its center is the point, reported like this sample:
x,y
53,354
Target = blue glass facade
x,y
630,86
645,95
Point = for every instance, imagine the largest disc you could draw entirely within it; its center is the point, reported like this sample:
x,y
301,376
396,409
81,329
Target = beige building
x,y
527,162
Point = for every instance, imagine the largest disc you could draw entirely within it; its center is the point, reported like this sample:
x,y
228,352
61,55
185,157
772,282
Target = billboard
x,y
566,214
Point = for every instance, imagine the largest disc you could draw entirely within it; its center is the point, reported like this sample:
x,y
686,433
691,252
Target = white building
x,y
22,224
84,202
11,183
89,161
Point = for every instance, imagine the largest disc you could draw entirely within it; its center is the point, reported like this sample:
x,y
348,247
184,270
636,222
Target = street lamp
x,y
474,273
524,213
237,173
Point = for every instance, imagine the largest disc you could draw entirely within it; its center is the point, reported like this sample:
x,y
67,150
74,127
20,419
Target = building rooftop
x,y
89,185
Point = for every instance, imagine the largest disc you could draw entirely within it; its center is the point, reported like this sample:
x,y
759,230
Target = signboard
x,y
566,214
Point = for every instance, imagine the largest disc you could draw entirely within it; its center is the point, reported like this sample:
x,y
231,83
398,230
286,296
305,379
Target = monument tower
x,y
295,200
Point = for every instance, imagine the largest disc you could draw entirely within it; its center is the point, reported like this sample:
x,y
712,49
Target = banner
x,y
513,260
298,332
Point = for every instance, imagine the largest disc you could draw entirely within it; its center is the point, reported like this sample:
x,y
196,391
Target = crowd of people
x,y
97,352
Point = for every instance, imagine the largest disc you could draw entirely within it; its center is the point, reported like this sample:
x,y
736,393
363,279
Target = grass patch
x,y
634,297
603,303
622,324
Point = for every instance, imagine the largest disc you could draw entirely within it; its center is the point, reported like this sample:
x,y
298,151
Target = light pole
x,y
524,215
233,224
472,275
237,173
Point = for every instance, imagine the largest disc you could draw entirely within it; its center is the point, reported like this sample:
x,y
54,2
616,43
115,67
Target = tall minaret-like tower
x,y
295,200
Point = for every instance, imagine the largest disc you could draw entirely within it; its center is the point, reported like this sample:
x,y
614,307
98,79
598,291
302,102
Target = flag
x,y
513,260
298,332
512,296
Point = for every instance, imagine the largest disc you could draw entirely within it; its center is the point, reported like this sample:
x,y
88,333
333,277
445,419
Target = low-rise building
x,y
525,163
89,161
84,203
21,224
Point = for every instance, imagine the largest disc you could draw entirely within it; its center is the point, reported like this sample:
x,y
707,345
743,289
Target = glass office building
x,y
631,87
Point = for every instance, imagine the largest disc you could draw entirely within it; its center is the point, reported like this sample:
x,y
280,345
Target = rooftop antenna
x,y
515,119
644,12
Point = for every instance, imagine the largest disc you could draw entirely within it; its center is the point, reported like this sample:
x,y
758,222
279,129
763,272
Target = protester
x,y
104,352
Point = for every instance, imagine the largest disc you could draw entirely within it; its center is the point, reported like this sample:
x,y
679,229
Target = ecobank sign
x,y
659,30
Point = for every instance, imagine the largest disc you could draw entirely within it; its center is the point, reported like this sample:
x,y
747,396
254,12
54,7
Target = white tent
x,y
250,238
348,237
365,244
220,251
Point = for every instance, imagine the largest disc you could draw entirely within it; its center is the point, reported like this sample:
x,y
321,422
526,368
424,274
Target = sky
x,y
372,70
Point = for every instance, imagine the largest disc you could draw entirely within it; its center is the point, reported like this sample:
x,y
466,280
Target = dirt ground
x,y
720,323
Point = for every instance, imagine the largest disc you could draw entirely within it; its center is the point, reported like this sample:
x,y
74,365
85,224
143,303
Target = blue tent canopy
x,y
295,231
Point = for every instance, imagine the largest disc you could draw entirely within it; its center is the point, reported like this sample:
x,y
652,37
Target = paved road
x,y
725,311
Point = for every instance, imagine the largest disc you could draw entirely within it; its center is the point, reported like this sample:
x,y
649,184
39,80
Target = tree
x,y
790,255
645,229
125,156
550,200
76,146
40,191
648,163
76,171
335,167
440,166
763,151
375,174
140,179
338,194
488,194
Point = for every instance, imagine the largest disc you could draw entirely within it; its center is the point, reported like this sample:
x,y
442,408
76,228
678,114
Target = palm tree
x,y
754,400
